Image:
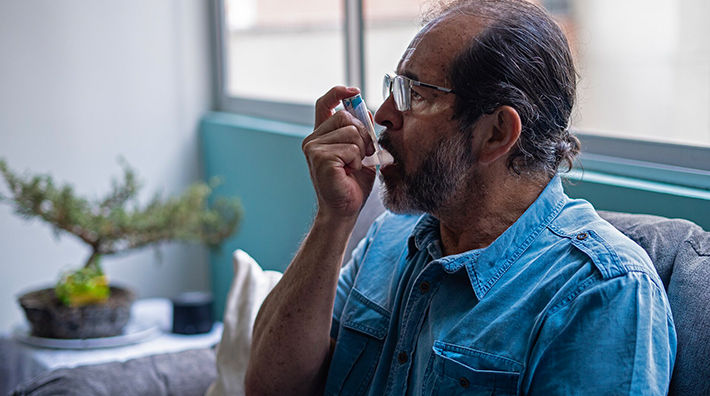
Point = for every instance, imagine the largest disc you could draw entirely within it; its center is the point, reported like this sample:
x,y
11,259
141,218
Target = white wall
x,y
82,83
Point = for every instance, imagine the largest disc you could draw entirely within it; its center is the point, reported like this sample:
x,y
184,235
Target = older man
x,y
484,277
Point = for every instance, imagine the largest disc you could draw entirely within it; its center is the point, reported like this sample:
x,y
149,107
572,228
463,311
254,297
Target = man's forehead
x,y
437,43
414,43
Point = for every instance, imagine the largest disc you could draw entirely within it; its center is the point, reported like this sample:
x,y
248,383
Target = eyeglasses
x,y
401,88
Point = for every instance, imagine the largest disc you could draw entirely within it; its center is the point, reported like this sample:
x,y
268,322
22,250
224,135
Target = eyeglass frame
x,y
403,101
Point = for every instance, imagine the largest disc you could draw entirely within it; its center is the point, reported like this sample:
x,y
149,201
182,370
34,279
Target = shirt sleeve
x,y
615,337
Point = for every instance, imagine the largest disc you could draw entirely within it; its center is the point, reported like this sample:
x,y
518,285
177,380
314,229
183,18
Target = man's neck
x,y
484,213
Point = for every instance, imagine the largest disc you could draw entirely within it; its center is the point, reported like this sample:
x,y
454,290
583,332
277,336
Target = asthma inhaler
x,y
356,106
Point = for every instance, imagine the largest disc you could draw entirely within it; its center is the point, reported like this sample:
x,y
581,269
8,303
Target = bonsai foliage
x,y
117,222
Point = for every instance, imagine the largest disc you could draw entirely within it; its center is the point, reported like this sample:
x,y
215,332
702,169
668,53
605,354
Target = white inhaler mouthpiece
x,y
356,106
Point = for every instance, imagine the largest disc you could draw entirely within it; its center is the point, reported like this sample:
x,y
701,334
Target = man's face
x,y
432,156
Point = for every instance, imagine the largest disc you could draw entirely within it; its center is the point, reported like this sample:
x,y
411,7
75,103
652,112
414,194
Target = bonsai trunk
x,y
95,255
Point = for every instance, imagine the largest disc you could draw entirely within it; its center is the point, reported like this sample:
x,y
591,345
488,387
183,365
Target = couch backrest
x,y
680,251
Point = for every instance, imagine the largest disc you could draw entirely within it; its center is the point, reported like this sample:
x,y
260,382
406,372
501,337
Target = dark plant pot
x,y
51,319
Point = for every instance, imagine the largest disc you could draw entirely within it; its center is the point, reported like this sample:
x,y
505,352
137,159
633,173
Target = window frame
x,y
678,164
297,113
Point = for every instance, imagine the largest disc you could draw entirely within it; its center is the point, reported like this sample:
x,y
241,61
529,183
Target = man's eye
x,y
416,95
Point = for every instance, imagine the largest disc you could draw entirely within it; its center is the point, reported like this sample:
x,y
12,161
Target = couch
x,y
679,249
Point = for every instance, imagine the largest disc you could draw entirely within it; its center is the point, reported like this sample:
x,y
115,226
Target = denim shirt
x,y
560,303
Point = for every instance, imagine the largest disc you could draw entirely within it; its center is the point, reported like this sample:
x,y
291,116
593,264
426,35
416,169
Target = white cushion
x,y
250,287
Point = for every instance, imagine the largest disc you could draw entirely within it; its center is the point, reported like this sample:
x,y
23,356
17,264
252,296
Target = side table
x,y
20,362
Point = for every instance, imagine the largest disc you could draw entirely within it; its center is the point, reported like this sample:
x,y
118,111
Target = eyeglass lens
x,y
397,86
386,86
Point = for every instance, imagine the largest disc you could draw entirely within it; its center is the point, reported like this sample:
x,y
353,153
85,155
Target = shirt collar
x,y
425,235
486,266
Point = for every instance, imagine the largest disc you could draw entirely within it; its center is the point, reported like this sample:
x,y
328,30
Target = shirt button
x,y
582,236
463,381
424,287
402,357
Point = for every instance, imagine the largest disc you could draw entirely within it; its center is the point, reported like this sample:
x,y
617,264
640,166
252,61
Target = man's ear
x,y
499,133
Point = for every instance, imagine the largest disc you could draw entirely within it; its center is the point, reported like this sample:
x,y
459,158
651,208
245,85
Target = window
x,y
644,65
644,68
389,26
283,50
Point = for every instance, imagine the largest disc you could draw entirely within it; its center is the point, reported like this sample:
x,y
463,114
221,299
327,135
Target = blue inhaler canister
x,y
356,106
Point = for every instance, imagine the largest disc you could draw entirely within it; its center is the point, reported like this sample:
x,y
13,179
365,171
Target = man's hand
x,y
334,152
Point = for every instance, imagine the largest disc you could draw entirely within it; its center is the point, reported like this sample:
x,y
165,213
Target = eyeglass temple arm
x,y
438,88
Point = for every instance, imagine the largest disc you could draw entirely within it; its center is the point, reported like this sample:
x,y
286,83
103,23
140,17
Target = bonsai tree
x,y
117,223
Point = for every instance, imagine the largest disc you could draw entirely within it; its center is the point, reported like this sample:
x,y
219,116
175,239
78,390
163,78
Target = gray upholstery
x,y
680,250
184,373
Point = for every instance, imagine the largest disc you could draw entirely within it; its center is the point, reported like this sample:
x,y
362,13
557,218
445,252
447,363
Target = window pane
x,y
389,27
283,50
644,67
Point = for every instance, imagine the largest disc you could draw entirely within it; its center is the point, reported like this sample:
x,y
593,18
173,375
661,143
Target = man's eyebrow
x,y
408,74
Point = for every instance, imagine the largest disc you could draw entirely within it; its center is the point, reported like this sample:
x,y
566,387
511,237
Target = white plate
x,y
134,333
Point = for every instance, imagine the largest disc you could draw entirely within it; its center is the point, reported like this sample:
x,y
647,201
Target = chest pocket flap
x,y
364,326
460,370
362,315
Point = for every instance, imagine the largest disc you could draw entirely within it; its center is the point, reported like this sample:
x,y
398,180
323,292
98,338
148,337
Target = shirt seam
x,y
573,295
585,285
659,289
521,249
622,266
612,253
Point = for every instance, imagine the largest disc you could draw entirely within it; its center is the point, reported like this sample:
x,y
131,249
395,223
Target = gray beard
x,y
436,182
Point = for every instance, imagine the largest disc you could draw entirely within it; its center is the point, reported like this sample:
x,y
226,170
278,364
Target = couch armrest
x,y
183,373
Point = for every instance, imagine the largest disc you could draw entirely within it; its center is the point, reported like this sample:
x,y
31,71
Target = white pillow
x,y
250,287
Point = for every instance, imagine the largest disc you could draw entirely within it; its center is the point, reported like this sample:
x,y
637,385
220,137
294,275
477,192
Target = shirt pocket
x,y
455,370
363,328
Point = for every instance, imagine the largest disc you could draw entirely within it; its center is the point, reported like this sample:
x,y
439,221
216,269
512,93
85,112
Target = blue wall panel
x,y
261,162
634,195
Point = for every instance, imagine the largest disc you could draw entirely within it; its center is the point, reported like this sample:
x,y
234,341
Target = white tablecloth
x,y
20,362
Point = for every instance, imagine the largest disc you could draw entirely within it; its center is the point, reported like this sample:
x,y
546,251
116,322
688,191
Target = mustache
x,y
386,143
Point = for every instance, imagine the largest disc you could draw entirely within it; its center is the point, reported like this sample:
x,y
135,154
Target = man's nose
x,y
388,115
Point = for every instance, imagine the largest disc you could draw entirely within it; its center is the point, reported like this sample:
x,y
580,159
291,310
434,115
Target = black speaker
x,y
192,313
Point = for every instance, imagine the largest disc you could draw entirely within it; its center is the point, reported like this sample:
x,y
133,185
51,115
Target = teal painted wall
x,y
261,162
623,194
